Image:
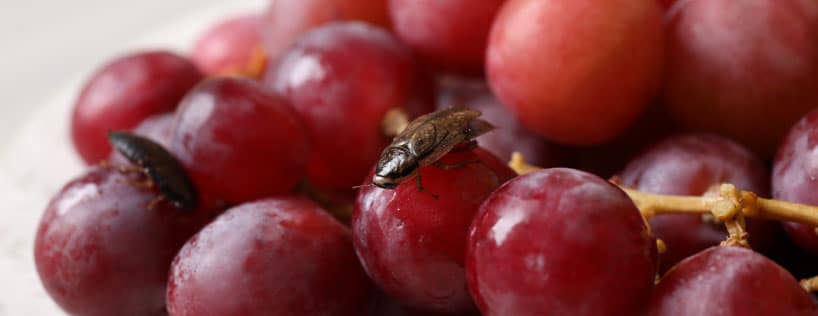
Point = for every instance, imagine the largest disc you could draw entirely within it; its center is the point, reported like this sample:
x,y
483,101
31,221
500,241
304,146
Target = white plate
x,y
39,159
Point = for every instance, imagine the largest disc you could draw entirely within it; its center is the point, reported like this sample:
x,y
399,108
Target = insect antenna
x,y
363,185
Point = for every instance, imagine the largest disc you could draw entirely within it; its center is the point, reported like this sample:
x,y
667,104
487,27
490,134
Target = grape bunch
x,y
368,157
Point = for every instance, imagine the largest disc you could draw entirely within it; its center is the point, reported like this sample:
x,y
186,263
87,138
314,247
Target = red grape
x,y
239,141
343,78
283,256
795,176
286,20
729,281
734,67
695,164
692,164
562,242
123,93
104,246
577,72
450,34
412,244
229,45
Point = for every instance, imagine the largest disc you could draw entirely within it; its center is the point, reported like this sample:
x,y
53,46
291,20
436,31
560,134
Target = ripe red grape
x,y
449,34
795,176
729,281
412,244
734,67
286,20
123,93
695,164
283,256
229,45
343,78
104,246
562,242
577,72
239,141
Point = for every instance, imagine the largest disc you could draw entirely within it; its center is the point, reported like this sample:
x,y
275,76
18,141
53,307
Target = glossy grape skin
x,y
561,242
287,20
123,93
343,78
412,244
729,281
695,164
795,176
735,66
282,256
554,62
229,45
449,34
239,141
100,249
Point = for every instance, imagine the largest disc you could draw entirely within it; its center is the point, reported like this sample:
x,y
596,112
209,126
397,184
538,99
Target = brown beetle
x,y
159,165
424,141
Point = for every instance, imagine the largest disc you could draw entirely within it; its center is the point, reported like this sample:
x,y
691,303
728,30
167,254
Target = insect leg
x,y
156,201
465,146
123,169
147,184
420,187
454,166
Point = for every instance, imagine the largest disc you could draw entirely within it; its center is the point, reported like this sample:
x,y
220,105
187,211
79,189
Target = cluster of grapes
x,y
276,122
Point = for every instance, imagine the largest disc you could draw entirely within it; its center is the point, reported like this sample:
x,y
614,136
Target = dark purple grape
x,y
696,164
105,244
282,256
729,281
795,176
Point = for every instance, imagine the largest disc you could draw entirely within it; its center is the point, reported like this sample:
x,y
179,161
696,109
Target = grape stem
x,y
394,121
730,202
747,202
727,205
730,206
811,284
254,68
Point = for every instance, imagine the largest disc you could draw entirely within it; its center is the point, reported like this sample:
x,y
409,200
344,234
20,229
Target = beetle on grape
x,y
424,141
159,165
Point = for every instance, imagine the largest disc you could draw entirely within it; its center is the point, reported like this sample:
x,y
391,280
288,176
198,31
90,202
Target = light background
x,y
45,43
47,48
